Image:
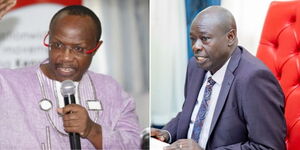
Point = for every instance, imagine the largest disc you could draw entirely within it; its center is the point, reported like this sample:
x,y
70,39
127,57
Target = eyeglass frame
x,y
90,51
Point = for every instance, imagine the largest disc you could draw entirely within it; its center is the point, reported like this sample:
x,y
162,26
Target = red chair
x,y
279,49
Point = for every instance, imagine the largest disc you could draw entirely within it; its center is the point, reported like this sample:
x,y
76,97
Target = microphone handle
x,y
72,97
74,141
73,137
68,99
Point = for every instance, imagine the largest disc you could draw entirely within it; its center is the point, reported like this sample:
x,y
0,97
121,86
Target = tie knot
x,y
211,81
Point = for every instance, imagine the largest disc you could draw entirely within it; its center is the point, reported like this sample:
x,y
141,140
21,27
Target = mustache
x,y
199,54
64,65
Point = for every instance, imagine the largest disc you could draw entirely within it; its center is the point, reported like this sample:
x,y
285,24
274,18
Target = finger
x,y
156,133
5,1
81,134
186,144
71,124
180,141
71,108
71,116
60,111
72,129
75,130
161,138
4,5
4,9
171,147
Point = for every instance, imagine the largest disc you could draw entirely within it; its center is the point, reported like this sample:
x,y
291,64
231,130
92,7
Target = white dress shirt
x,y
218,78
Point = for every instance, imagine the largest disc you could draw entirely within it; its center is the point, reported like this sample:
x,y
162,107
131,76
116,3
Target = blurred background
x,y
170,46
124,53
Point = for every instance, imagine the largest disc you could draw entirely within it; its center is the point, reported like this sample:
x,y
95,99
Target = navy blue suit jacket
x,y
249,113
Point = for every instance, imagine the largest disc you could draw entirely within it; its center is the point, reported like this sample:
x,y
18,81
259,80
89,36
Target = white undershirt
x,y
61,102
218,78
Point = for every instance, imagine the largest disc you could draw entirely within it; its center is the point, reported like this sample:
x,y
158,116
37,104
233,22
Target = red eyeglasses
x,y
61,46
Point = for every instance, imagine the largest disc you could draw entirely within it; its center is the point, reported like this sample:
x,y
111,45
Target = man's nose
x,y
197,46
67,53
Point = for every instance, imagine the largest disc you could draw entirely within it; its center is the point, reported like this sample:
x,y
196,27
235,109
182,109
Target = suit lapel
x,y
193,88
227,82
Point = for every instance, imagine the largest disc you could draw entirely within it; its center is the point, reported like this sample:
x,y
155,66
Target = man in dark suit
x,y
232,101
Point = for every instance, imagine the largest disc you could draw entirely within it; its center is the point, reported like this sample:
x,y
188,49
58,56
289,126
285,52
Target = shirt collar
x,y
219,75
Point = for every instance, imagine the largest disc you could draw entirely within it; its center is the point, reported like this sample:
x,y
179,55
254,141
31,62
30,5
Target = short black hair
x,y
79,10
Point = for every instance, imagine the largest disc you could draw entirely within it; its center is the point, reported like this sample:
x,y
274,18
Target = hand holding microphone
x,y
76,120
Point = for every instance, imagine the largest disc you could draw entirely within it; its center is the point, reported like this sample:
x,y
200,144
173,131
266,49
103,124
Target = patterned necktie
x,y
202,110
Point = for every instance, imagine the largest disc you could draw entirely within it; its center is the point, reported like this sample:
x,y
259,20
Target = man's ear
x,y
231,36
99,43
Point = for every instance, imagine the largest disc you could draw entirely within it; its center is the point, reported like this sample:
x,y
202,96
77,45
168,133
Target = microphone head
x,y
67,88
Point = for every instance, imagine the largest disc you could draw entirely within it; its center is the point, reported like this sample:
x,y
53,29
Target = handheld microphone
x,y
68,91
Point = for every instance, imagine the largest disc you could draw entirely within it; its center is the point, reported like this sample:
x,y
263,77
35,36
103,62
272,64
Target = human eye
x,y
204,38
56,45
192,39
78,49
